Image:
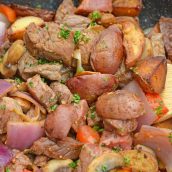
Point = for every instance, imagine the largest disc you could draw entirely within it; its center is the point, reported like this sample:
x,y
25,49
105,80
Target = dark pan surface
x,y
152,11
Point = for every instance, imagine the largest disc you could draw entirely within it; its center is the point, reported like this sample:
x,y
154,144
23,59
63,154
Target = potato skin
x,y
151,73
120,105
107,55
125,8
89,87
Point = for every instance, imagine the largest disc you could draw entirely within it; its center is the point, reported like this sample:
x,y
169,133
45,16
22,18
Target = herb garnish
x,y
7,169
159,110
98,128
95,15
77,36
127,161
44,61
76,98
2,107
18,80
116,149
31,84
53,108
93,115
64,32
170,137
73,164
104,168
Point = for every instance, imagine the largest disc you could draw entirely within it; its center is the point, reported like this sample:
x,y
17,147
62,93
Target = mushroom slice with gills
x,y
159,140
8,67
139,160
58,165
106,162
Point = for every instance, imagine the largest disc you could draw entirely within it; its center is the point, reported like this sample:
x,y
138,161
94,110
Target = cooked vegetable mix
x,y
84,89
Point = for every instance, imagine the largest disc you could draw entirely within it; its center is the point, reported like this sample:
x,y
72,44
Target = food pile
x,y
84,89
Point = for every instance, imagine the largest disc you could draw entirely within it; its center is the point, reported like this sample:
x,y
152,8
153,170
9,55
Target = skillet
x,y
150,14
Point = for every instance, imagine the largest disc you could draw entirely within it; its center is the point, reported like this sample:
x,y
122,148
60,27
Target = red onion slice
x,y
150,115
21,135
159,140
5,87
5,156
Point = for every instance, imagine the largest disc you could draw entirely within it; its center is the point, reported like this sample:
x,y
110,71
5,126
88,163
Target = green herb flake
x,y
64,33
95,15
7,169
93,23
127,161
53,108
170,137
92,115
76,98
104,168
2,107
31,84
116,149
46,27
18,80
73,164
77,37
159,110
98,128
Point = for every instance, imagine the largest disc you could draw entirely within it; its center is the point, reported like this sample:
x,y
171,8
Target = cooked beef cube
x,y
112,140
26,61
66,8
122,127
51,42
92,117
87,42
88,153
88,6
23,11
41,92
8,112
107,19
41,160
59,122
52,72
166,30
80,115
67,148
19,162
62,92
76,22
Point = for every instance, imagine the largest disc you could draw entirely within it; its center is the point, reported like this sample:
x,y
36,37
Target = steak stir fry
x,y
84,89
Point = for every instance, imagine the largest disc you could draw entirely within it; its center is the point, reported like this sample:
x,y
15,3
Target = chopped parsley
x,y
18,80
53,108
53,99
92,115
170,137
104,168
127,161
159,110
31,84
95,15
93,23
77,36
7,169
73,164
64,33
98,128
46,27
76,98
116,149
2,107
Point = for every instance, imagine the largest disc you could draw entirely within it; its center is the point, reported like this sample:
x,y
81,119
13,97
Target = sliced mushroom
x,y
106,162
56,165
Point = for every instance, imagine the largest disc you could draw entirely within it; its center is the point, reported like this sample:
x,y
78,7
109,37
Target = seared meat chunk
x,y
88,6
76,22
8,112
23,11
62,92
54,72
26,61
107,19
87,42
166,30
59,122
41,92
41,160
66,148
107,55
120,105
80,115
121,127
48,42
66,8
112,140
89,87
19,162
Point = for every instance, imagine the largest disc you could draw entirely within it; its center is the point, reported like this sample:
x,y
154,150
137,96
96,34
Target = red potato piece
x,y
166,30
88,6
151,74
89,87
108,53
120,105
59,122
127,8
